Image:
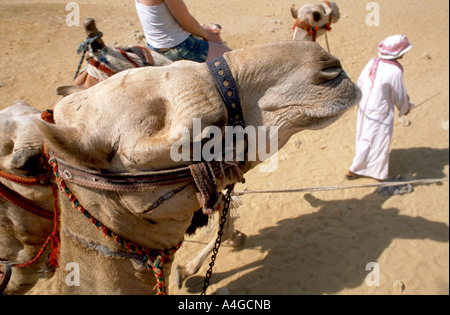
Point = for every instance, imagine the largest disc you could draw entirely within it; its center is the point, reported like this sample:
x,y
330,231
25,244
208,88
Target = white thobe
x,y
375,121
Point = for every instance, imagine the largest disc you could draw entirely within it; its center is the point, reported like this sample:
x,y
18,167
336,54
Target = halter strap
x,y
225,83
312,30
328,4
28,181
132,181
19,200
24,203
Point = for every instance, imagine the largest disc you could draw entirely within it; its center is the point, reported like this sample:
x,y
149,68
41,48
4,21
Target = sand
x,y
297,243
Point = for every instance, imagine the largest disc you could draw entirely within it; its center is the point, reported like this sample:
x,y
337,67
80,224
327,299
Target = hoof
x,y
179,275
236,239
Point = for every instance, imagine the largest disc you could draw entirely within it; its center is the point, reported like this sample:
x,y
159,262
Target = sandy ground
x,y
299,243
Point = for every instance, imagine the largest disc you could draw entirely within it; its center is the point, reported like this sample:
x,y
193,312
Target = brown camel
x,y
129,124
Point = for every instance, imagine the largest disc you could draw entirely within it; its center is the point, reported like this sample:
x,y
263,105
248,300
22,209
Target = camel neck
x,y
89,267
301,34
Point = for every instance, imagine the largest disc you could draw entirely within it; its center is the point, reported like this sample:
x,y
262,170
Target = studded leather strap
x,y
226,85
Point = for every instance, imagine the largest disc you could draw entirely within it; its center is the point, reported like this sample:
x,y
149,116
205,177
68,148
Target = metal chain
x,y
223,220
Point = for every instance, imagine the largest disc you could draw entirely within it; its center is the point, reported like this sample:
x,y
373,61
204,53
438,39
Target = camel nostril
x,y
29,161
330,73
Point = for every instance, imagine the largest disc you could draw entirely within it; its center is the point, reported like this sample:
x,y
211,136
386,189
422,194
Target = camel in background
x,y
26,198
314,20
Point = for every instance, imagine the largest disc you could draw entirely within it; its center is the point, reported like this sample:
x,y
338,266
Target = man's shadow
x,y
407,162
330,248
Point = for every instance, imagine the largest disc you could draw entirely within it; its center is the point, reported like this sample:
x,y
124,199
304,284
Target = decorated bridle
x,y
22,201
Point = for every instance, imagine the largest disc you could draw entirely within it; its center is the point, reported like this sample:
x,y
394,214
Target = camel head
x,y
21,147
303,87
130,123
315,15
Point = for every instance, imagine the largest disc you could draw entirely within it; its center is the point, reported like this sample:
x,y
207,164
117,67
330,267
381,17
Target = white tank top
x,y
160,27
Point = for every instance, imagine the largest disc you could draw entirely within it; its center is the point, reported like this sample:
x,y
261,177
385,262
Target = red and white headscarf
x,y
394,47
389,50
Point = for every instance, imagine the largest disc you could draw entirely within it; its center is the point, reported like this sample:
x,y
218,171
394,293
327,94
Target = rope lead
x,y
82,49
313,189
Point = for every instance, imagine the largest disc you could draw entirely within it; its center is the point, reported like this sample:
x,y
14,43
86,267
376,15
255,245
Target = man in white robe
x,y
381,83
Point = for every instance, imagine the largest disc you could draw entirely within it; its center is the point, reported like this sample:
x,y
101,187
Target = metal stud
x,y
67,174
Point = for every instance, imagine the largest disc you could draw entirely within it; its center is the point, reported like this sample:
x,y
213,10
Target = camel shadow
x,y
328,249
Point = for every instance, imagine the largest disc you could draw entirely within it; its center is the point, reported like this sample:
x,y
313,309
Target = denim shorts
x,y
192,48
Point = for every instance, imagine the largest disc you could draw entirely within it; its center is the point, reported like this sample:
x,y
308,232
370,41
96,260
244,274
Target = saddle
x,y
105,61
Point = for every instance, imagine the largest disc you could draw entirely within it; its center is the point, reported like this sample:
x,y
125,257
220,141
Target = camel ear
x,y
65,90
294,12
23,108
332,10
21,103
69,144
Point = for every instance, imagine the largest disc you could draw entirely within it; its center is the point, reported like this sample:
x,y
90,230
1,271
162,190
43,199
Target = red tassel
x,y
48,116
53,256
